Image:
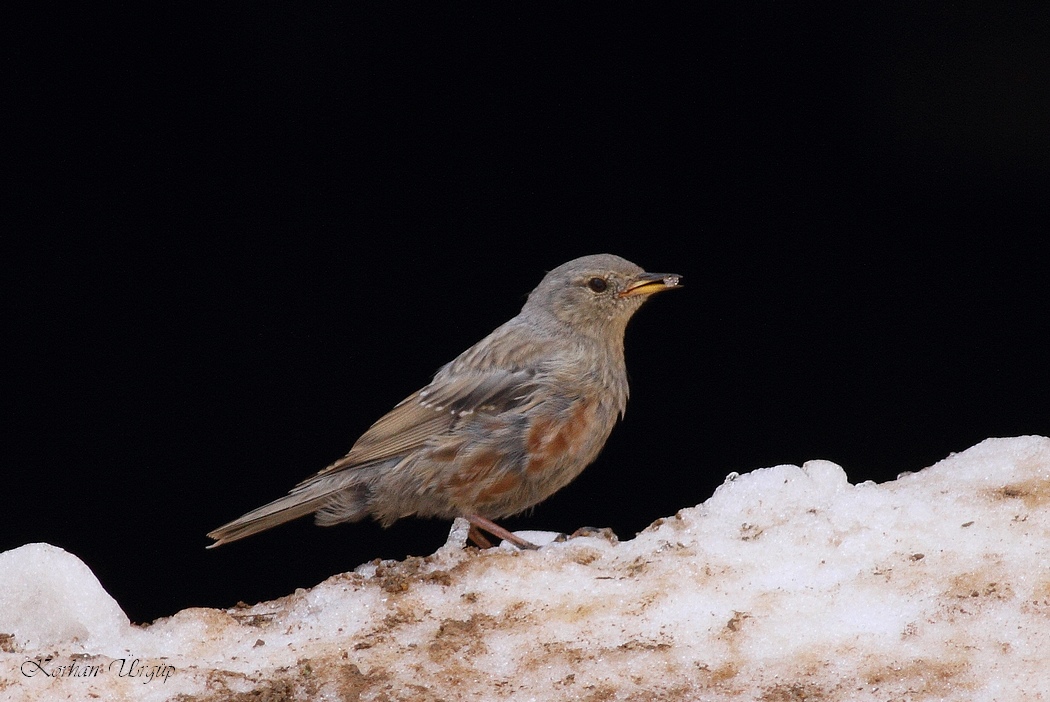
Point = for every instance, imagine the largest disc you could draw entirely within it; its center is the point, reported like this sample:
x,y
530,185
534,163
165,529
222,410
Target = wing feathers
x,y
436,410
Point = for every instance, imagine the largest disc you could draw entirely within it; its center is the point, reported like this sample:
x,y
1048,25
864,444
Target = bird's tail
x,y
310,496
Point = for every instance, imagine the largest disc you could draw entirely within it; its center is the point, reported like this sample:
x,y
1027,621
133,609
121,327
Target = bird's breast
x,y
558,448
554,438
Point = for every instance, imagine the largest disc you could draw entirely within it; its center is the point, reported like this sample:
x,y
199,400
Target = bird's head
x,y
597,295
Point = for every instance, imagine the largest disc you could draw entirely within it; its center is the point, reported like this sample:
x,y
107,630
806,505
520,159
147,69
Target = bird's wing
x,y
436,410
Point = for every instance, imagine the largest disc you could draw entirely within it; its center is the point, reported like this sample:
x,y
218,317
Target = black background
x,y
235,239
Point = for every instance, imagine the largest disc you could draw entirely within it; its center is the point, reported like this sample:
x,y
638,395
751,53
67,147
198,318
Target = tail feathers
x,y
303,500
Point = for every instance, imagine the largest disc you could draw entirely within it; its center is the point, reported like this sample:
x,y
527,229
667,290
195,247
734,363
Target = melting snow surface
x,y
788,584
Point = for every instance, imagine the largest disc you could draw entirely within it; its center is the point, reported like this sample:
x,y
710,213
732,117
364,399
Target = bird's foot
x,y
479,524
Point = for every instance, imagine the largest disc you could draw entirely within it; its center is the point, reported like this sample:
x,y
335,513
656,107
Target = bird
x,y
503,426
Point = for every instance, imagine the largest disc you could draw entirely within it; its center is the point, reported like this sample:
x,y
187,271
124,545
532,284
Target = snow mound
x,y
788,584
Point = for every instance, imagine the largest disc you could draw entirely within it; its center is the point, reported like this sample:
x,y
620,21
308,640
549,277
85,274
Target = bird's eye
x,y
598,285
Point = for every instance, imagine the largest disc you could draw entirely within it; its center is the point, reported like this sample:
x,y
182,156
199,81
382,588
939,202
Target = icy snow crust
x,y
788,584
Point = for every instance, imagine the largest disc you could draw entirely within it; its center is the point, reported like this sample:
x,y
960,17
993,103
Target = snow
x,y
43,591
788,584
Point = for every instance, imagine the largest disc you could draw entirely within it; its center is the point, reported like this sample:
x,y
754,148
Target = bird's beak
x,y
649,283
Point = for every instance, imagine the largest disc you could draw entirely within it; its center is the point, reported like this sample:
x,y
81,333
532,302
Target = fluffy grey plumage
x,y
510,421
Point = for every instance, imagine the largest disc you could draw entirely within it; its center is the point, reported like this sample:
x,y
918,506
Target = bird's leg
x,y
478,538
481,523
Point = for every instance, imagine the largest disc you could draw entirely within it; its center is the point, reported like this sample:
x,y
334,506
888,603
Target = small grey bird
x,y
509,422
